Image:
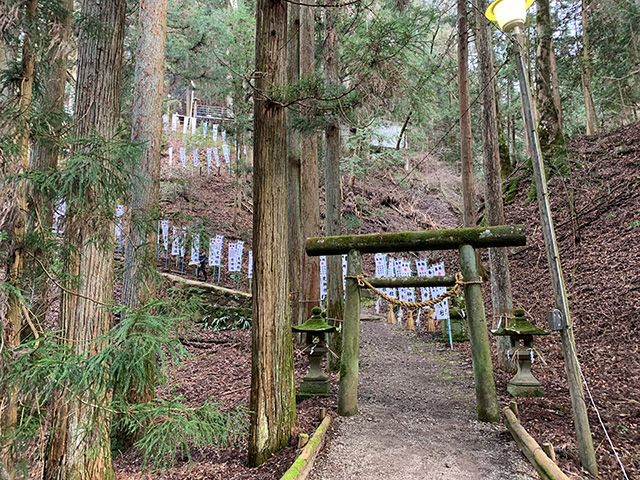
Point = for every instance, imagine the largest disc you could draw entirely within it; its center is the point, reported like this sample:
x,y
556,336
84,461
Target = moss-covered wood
x,y
486,398
348,388
304,463
546,468
499,236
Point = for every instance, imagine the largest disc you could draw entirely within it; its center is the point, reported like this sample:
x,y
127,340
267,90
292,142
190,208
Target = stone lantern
x,y
316,382
521,331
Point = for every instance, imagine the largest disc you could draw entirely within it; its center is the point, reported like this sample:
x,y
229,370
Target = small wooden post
x,y
547,447
486,398
348,388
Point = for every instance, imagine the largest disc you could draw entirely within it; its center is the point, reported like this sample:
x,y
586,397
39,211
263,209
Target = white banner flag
x,y
323,276
216,156
205,125
209,154
214,133
195,157
250,267
194,124
175,245
225,152
215,251
170,156
164,224
232,257
195,248
183,157
183,241
174,122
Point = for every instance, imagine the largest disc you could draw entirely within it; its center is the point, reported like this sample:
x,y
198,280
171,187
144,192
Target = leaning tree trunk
x,y
272,401
500,278
309,178
79,447
335,304
15,199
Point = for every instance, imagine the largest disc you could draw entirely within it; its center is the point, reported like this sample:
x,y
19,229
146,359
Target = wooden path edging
x,y
206,286
304,463
546,468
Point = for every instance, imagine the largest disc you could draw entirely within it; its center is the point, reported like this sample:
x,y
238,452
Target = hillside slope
x,y
597,216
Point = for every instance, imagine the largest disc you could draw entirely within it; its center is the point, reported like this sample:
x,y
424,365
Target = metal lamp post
x,y
511,15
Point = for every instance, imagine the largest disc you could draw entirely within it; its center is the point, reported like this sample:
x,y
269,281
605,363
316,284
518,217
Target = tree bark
x,y
16,198
309,176
591,118
272,402
140,246
501,296
296,243
333,201
146,130
46,150
76,451
549,126
466,154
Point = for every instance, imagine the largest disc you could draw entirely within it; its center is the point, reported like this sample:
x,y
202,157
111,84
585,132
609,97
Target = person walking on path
x,y
203,265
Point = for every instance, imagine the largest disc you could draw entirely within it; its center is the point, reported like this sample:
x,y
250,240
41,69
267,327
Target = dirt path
x,y
416,418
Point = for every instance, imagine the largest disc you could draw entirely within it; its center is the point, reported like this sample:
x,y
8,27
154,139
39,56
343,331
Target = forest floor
x,y
596,211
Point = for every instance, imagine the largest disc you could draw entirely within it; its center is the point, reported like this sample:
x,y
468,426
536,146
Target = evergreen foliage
x,y
139,349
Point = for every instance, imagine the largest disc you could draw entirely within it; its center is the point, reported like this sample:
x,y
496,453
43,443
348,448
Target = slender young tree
x,y
46,150
76,451
500,278
15,200
333,201
272,401
466,154
591,118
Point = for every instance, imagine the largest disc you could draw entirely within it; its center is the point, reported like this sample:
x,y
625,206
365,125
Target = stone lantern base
x,y
524,384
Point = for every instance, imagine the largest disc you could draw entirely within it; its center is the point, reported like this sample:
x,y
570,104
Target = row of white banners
x,y
390,267
190,125
213,155
385,266
213,258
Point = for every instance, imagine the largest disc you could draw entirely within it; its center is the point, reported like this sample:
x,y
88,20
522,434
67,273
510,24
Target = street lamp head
x,y
508,13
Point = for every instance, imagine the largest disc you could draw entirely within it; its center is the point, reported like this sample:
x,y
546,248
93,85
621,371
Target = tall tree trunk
x,y
466,154
272,376
15,197
309,183
146,130
591,118
296,245
333,201
45,152
549,127
500,278
76,450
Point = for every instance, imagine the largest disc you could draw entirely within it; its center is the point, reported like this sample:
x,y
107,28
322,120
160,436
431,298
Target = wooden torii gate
x,y
466,240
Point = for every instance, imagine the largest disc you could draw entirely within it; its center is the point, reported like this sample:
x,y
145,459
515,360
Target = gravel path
x,y
416,418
